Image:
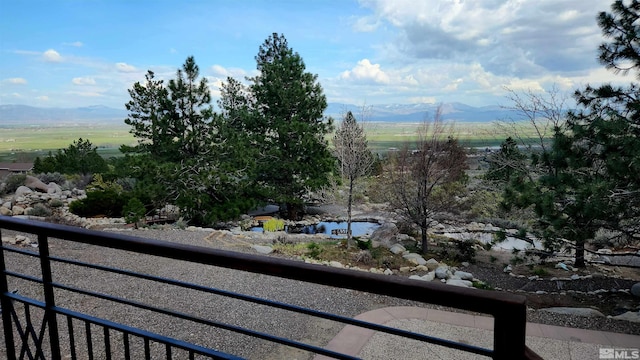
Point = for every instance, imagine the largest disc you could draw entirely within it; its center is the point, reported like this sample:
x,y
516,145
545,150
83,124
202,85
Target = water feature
x,y
336,229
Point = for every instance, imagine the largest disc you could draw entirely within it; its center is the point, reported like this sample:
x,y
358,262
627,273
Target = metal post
x,y
509,332
7,309
47,282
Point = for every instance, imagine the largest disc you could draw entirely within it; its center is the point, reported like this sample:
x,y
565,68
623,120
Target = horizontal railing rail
x,y
508,310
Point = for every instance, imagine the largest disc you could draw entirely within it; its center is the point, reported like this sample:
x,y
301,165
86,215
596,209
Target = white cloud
x,y
42,98
422,100
221,71
52,56
16,81
74,44
124,67
86,93
365,71
365,24
506,37
83,81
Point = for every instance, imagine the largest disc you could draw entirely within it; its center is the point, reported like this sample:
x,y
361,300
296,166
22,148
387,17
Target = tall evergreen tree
x,y
192,109
149,118
588,178
289,126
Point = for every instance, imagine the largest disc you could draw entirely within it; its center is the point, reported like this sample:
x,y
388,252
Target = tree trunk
x,y
579,260
349,202
425,240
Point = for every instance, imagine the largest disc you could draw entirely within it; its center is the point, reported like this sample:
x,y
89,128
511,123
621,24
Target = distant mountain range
x,y
12,115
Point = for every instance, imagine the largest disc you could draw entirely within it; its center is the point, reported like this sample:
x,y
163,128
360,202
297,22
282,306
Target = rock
x,y
416,277
388,272
463,275
586,312
432,264
18,210
261,249
336,264
431,275
415,258
575,277
562,266
635,289
397,249
508,269
53,188
465,264
7,204
533,277
21,191
405,269
629,316
604,251
442,272
5,211
34,183
462,283
385,234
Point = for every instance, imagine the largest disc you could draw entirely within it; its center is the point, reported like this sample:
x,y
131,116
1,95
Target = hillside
x,y
23,115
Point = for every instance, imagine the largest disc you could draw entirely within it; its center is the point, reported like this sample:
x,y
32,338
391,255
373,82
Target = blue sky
x,y
78,53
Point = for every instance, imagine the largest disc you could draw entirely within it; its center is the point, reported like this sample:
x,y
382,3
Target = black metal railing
x,y
72,331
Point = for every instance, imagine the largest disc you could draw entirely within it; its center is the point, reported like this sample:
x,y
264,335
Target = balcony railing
x,y
41,321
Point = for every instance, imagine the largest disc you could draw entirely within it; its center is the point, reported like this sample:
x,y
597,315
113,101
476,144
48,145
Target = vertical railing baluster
x,y
72,339
87,328
168,347
125,340
49,300
7,309
147,349
107,343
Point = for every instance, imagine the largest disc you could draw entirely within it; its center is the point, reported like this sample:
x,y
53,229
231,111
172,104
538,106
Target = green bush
x,y
56,203
314,250
273,225
40,210
99,203
13,182
134,211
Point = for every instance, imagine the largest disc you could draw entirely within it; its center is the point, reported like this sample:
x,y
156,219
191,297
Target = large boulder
x,y
635,289
385,235
34,183
22,191
5,211
53,188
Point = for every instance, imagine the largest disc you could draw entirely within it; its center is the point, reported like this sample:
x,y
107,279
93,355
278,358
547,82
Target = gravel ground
x,y
282,323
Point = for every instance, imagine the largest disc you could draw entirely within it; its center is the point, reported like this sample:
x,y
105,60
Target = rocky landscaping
x,y
460,254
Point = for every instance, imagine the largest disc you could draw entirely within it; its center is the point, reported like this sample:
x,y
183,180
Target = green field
x,y
23,144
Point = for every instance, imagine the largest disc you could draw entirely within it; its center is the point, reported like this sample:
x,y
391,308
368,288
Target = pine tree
x,y
288,126
352,151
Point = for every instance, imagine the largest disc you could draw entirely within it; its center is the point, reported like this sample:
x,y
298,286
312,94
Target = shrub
x,y
540,272
54,177
40,210
314,250
273,225
13,182
56,203
134,211
104,203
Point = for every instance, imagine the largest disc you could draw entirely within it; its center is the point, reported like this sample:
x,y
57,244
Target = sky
x,y
59,53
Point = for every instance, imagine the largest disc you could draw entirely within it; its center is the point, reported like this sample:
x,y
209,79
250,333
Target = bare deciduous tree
x,y
422,181
352,151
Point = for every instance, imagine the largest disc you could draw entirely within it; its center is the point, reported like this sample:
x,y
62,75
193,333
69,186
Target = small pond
x,y
333,228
